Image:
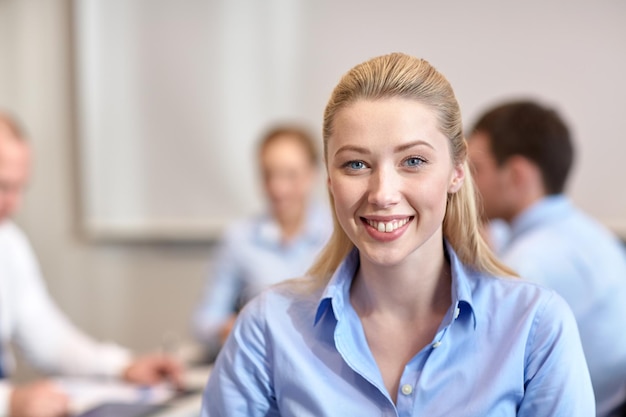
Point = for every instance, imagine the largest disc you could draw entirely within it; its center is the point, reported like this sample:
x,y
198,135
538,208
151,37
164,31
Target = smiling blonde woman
x,y
409,313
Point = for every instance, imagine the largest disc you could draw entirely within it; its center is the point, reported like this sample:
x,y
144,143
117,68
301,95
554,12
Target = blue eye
x,y
356,165
413,161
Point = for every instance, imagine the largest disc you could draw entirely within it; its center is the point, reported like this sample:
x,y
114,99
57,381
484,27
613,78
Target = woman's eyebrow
x,y
353,148
405,146
400,148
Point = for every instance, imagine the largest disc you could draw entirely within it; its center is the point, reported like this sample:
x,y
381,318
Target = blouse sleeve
x,y
241,380
557,381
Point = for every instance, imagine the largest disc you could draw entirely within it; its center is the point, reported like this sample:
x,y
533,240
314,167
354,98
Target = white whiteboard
x,y
173,94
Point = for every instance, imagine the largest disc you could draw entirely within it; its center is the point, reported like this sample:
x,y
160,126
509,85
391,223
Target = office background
x,y
140,287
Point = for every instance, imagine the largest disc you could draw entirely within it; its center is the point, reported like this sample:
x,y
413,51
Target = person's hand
x,y
154,368
38,399
227,328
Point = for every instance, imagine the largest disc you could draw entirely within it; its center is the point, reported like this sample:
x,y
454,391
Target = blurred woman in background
x,y
278,244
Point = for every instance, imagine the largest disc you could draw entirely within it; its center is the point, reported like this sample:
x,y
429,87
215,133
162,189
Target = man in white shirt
x,y
30,320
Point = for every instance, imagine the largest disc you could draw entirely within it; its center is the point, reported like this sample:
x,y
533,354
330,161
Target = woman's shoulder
x,y
284,298
241,227
517,295
489,281
277,317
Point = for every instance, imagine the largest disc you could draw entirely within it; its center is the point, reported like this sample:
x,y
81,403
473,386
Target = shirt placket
x,y
406,405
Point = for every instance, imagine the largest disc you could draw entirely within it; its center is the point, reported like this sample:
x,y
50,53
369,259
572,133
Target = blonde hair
x,y
400,75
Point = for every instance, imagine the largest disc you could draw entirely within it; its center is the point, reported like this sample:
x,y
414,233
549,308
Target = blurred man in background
x,y
521,154
30,320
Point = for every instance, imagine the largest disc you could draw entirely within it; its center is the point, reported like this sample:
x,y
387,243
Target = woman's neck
x,y
414,289
291,227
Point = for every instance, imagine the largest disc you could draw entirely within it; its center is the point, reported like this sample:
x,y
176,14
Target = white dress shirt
x,y
31,321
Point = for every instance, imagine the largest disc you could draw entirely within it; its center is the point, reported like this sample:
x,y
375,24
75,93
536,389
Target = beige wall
x,y
133,294
212,74
136,293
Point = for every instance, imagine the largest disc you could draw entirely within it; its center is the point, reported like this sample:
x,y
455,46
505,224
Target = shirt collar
x,y
463,279
337,291
268,231
543,211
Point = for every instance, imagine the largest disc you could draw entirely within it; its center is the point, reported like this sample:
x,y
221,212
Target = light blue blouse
x,y
557,245
252,257
506,347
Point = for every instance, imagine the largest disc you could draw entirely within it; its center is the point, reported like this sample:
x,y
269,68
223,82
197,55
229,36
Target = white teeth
x,y
389,226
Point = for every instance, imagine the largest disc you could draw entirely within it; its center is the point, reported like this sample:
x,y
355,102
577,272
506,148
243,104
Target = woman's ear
x,y
458,177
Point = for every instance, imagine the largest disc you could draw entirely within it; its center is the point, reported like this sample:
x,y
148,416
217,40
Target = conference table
x,y
111,398
188,405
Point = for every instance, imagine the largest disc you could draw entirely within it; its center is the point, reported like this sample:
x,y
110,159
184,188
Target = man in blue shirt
x,y
521,154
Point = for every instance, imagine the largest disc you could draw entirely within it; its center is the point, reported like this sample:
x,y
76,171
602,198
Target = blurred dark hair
x,y
535,132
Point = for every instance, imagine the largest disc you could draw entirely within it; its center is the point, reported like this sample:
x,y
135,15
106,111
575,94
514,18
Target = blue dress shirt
x,y
252,257
506,347
557,245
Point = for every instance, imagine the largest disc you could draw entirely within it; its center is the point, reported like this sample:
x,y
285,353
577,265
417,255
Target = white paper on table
x,y
86,393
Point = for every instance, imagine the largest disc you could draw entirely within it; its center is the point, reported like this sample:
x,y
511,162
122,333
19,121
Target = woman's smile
x,y
386,229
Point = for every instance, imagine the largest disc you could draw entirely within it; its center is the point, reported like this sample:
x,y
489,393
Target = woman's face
x,y
389,172
288,178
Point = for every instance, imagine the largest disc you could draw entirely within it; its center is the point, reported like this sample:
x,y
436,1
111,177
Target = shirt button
x,y
407,389
457,311
436,345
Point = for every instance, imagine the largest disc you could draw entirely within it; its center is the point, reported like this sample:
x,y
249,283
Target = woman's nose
x,y
384,188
